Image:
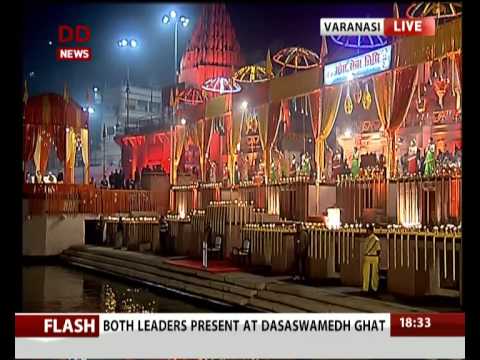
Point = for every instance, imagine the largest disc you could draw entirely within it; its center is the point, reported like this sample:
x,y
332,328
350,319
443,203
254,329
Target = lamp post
x,y
184,21
125,43
166,19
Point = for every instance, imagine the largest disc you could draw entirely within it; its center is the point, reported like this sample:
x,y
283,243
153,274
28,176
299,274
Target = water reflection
x,y
55,288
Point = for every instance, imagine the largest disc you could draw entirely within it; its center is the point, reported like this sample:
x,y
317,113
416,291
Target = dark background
x,y
258,27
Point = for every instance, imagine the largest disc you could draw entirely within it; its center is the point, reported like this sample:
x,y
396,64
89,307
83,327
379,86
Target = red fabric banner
x,y
314,99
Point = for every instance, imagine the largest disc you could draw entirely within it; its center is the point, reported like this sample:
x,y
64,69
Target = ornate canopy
x,y
441,10
360,42
296,58
252,73
190,96
221,85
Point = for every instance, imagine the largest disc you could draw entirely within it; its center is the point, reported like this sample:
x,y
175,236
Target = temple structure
x,y
213,49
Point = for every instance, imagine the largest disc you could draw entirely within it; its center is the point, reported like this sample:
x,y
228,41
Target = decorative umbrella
x,y
191,96
360,42
440,10
252,73
221,85
297,58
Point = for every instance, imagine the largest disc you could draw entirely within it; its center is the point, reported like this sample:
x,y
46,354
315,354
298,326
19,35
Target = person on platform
x,y
92,181
301,253
355,162
38,177
101,231
111,180
371,256
412,157
430,161
164,235
419,161
121,179
60,177
114,184
237,174
208,234
104,183
226,175
306,165
119,235
328,171
213,172
51,178
457,157
337,164
381,162
273,172
447,159
293,166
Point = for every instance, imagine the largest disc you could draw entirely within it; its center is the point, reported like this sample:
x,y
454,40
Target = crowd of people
x,y
428,161
117,180
38,178
359,162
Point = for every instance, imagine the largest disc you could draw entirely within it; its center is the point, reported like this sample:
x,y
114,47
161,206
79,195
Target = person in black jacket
x,y
302,240
119,235
164,236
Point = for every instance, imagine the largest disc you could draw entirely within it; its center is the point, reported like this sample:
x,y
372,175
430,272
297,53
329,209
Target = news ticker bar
x,y
394,336
377,27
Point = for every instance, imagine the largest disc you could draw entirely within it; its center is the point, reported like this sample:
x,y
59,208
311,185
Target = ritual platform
x,y
214,266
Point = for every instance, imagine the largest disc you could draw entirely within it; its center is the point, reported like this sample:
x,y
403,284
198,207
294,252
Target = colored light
x,y
124,43
165,19
348,133
91,110
244,105
173,14
95,89
133,43
183,121
185,22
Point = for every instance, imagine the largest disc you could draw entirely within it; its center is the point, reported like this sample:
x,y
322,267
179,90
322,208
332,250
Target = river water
x,y
58,288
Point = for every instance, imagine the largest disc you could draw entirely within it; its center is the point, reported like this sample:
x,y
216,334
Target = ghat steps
x,y
255,292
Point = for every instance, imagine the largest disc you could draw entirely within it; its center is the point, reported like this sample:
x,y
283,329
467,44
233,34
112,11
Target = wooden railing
x,y
404,252
354,196
73,199
429,201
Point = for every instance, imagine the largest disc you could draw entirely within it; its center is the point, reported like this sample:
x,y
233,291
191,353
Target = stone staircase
x,y
247,290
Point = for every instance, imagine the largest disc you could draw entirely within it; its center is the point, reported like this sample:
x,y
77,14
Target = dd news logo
x,y
78,36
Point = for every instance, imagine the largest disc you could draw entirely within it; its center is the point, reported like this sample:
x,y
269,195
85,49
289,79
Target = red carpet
x,y
214,266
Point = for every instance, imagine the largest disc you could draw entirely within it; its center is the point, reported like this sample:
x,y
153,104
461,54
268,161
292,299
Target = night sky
x,y
258,27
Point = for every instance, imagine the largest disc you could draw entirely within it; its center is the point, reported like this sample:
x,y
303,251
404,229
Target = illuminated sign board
x,y
366,64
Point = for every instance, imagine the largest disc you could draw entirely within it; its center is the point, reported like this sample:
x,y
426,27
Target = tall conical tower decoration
x,y
213,49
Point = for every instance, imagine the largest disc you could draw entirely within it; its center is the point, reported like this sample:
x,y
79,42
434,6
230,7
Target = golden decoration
x,y
252,73
440,86
348,105
357,95
366,98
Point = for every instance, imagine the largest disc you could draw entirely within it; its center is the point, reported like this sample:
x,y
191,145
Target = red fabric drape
x,y
30,134
273,120
50,114
458,63
315,111
45,153
59,137
286,114
404,87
